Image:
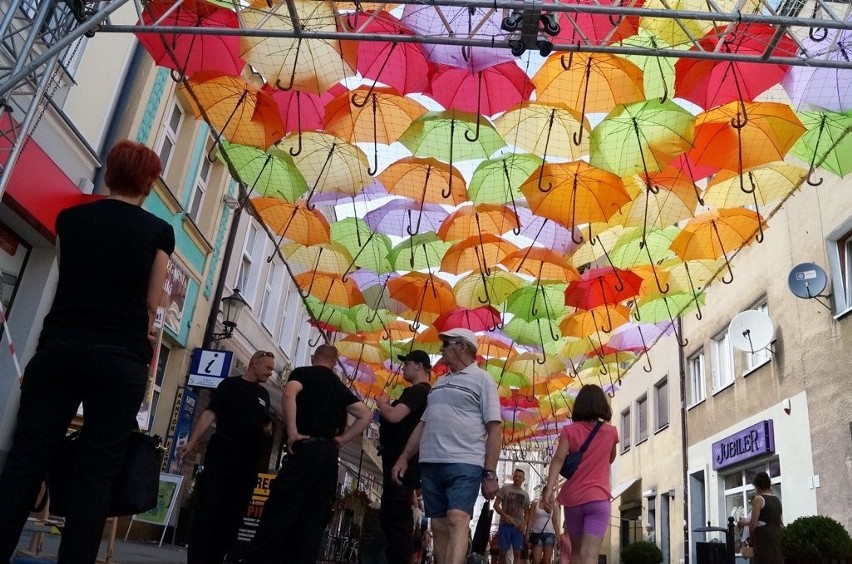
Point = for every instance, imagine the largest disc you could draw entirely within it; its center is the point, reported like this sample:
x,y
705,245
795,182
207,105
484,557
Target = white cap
x,y
464,334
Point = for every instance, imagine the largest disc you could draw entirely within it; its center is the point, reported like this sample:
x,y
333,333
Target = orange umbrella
x,y
377,115
422,292
713,234
670,197
296,221
359,349
424,180
329,288
588,82
594,321
574,193
491,347
478,252
743,135
236,109
468,221
541,263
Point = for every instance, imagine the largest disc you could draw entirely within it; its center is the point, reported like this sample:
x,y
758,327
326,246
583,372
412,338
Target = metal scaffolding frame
x,y
34,34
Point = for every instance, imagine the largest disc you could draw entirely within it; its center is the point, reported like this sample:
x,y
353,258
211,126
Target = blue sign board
x,y
209,367
752,442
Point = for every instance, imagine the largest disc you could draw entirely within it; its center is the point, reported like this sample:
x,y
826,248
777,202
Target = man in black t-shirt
x,y
398,420
240,409
315,406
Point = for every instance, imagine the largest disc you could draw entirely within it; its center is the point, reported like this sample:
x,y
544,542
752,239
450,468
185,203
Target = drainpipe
x,y
684,443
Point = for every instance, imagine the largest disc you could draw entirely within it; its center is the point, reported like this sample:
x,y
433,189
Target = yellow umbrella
x,y
474,290
544,129
676,31
328,257
766,184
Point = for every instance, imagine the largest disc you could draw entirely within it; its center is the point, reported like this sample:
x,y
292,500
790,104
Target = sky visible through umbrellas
x,y
568,207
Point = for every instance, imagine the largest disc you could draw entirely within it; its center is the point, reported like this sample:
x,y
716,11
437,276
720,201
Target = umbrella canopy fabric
x,y
498,180
827,142
296,221
475,290
489,91
606,286
399,217
476,253
378,115
330,288
273,175
714,233
545,129
820,87
425,180
483,318
468,221
447,136
765,185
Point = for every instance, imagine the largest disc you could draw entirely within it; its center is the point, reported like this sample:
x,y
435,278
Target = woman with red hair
x,y
94,349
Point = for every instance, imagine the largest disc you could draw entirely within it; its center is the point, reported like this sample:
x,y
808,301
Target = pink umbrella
x,y
443,21
598,29
484,318
302,111
402,66
487,92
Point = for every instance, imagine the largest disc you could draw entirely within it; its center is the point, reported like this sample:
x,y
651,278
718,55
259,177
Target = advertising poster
x,y
174,294
254,511
166,497
180,427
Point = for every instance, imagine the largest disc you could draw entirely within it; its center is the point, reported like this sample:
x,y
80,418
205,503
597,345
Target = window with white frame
x,y
289,313
840,261
738,489
697,379
169,137
661,404
626,438
722,357
250,261
642,418
758,358
272,291
199,188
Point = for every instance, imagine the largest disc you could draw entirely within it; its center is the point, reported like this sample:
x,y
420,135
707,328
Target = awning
x,y
623,487
38,190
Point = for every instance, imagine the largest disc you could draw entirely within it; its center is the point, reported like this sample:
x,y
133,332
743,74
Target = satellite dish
x,y
751,331
807,280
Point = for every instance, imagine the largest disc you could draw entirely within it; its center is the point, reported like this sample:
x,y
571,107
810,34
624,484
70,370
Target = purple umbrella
x,y
399,216
548,233
480,23
639,337
830,89
371,191
374,289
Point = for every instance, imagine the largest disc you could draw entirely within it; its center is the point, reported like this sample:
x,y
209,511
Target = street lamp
x,y
231,308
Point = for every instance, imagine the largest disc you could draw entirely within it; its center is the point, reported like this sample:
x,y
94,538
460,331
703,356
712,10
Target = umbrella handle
x,y
478,108
811,181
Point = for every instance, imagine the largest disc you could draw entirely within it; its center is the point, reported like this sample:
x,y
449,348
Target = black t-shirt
x,y
242,409
106,251
393,436
321,405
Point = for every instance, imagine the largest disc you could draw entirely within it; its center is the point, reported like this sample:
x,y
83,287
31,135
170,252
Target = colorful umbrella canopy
x,y
266,173
483,318
329,288
477,289
820,87
545,129
451,136
426,180
826,142
296,222
468,221
489,91
498,180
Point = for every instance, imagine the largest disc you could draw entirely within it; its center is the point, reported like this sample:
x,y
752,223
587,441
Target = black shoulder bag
x,y
572,461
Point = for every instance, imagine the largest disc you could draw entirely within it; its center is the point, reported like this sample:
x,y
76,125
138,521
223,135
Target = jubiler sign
x,y
749,443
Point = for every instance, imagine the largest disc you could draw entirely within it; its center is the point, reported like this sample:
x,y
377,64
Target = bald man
x,y
315,405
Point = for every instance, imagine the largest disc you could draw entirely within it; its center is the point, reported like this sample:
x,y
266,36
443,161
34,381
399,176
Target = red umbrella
x,y
484,318
605,286
597,28
487,92
400,65
302,111
519,401
710,83
187,53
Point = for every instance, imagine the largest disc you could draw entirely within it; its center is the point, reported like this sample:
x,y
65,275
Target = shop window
x,y
169,138
722,357
661,404
625,430
761,357
697,379
738,490
642,418
14,253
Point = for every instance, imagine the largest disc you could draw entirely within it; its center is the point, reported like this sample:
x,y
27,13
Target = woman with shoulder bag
x,y
586,494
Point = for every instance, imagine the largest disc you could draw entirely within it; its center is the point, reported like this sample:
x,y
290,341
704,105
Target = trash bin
x,y
711,553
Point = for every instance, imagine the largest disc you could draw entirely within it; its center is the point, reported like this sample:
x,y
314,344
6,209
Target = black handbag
x,y
572,461
135,487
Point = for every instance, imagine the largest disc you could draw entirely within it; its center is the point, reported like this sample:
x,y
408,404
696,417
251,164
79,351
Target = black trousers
x,y
223,492
396,514
110,382
299,505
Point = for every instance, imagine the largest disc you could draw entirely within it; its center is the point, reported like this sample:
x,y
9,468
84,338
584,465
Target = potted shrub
x,y
641,552
816,539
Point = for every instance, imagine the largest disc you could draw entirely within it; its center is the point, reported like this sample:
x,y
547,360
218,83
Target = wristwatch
x,y
489,475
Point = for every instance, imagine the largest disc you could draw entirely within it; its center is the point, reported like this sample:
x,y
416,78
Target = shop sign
x,y
752,442
209,367
174,289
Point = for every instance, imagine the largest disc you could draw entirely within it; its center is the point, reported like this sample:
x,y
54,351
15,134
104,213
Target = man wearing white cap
x,y
458,439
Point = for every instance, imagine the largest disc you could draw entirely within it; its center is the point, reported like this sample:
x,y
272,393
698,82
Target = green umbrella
x,y
368,248
666,308
264,173
498,181
451,136
535,332
369,320
642,137
537,301
419,252
475,290
330,315
657,72
826,143
505,378
636,246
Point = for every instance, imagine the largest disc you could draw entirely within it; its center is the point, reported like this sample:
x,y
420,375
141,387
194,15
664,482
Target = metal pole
x,y
684,443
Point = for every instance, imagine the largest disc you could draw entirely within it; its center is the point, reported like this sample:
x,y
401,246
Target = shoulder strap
x,y
590,437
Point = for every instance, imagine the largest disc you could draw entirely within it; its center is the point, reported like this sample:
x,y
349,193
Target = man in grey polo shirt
x,y
458,439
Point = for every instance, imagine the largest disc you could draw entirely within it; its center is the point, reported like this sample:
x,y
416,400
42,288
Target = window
x,y
625,430
247,273
758,358
723,362
199,189
642,418
170,136
840,261
739,491
289,313
697,380
661,403
271,295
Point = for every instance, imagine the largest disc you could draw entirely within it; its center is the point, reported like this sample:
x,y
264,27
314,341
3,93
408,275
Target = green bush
x,y
816,535
641,553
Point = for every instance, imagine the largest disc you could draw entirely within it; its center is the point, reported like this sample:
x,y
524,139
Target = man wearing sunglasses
x,y
458,439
